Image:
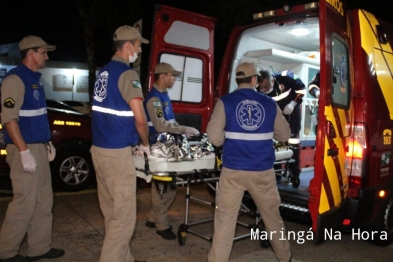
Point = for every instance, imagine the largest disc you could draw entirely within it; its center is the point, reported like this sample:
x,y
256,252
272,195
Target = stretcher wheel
x,y
295,181
182,234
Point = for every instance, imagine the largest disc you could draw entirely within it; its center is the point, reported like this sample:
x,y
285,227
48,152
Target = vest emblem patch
x,y
250,114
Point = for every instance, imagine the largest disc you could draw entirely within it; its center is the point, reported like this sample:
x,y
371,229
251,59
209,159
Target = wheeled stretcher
x,y
203,170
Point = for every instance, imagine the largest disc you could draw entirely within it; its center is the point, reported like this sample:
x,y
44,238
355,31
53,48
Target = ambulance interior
x,y
288,46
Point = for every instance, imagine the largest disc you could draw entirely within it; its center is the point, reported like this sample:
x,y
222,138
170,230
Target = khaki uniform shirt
x,y
159,123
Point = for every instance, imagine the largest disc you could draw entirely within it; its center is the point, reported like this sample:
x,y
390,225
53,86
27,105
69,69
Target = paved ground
x,y
79,229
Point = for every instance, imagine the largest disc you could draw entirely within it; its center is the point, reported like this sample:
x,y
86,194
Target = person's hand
x,y
190,132
51,151
28,161
289,108
144,149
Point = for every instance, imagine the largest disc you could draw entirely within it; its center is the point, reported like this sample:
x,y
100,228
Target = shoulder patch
x,y
157,104
9,103
159,113
136,84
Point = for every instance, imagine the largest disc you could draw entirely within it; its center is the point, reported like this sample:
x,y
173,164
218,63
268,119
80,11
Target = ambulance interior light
x,y
300,31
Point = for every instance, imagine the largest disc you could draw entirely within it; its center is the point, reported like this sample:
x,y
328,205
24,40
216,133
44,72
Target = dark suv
x,y
72,169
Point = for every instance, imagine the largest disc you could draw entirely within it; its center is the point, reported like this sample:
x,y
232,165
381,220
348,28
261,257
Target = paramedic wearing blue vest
x,y
29,151
244,122
287,89
161,119
118,123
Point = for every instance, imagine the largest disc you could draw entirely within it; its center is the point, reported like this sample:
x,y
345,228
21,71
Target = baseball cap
x,y
127,32
246,70
163,68
32,41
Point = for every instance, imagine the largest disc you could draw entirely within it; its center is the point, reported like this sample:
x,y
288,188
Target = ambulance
x,y
346,155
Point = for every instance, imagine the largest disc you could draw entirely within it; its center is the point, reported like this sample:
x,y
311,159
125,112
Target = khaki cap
x,y
246,70
163,68
32,41
127,32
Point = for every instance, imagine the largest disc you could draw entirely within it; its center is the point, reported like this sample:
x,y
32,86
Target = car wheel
x,y
72,169
384,223
182,234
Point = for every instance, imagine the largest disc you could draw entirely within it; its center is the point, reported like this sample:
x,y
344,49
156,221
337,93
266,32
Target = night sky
x,y
58,22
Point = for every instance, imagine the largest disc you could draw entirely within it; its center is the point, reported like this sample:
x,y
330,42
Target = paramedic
x,y
161,119
283,87
118,123
244,122
29,151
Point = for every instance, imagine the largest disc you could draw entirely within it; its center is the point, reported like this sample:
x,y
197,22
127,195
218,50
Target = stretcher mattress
x,y
283,153
162,165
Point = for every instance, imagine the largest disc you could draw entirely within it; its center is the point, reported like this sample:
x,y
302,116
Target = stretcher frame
x,y
205,176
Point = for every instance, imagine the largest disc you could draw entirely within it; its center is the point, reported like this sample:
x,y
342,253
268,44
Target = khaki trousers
x,y
160,205
263,189
30,211
116,186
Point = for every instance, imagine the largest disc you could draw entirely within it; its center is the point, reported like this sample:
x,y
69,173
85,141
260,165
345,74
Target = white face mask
x,y
268,91
131,59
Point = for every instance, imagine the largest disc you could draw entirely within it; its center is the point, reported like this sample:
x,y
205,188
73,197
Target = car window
x,y
73,103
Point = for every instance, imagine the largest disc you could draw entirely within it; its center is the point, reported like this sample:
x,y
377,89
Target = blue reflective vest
x,y
249,130
166,104
33,119
113,122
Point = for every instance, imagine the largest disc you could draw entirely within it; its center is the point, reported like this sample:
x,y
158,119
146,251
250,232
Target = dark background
x,y
60,22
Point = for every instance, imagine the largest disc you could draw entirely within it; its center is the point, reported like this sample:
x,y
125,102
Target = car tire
x,y
72,169
384,222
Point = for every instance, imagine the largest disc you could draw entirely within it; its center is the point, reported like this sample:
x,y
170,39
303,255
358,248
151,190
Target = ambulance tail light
x,y
355,161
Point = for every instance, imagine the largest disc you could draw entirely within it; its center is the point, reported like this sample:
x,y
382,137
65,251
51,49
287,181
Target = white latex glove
x,y
190,132
144,149
289,108
50,148
316,92
28,161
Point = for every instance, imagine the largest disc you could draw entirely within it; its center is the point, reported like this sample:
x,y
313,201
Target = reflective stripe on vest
x,y
112,111
34,112
248,136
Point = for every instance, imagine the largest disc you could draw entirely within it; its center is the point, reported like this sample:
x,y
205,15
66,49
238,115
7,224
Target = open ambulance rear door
x,y
270,45
186,41
329,187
